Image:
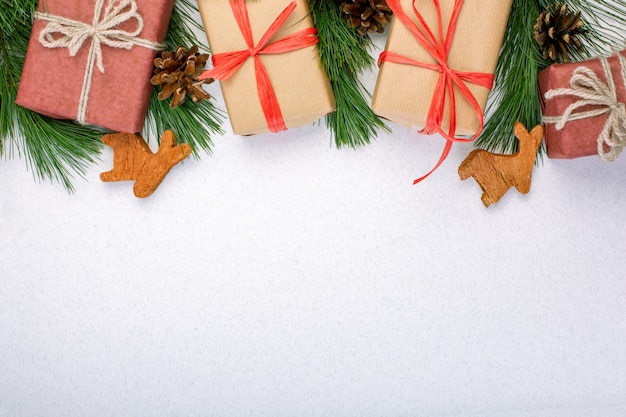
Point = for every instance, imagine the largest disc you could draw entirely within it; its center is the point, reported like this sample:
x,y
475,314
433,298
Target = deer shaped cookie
x,y
133,160
497,173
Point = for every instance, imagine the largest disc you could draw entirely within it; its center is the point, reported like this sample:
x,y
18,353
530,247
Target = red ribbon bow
x,y
226,64
448,79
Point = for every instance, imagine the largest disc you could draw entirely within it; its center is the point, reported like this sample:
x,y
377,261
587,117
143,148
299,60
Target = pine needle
x,y
54,150
515,96
193,123
344,54
59,150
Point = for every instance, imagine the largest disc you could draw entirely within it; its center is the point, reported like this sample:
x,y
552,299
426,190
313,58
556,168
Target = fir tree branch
x,y
604,20
515,96
54,150
57,150
193,123
344,54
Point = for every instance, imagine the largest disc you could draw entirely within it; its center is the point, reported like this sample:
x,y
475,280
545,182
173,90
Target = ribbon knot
x,y
227,63
592,91
439,48
61,32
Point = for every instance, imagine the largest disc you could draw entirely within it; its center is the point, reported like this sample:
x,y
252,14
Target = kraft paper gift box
x,y
299,81
52,81
404,93
578,138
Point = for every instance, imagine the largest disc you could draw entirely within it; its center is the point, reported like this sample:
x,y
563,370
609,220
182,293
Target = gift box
x,y
272,87
581,107
91,60
405,91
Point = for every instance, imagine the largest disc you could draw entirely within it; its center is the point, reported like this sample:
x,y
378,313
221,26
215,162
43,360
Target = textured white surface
x,y
283,277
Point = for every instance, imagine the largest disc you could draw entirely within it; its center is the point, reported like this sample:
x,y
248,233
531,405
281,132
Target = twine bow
x,y
61,32
226,64
439,48
589,88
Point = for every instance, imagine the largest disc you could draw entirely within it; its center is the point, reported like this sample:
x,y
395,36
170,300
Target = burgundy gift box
x,y
53,81
578,138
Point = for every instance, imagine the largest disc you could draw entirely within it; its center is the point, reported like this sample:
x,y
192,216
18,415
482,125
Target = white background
x,y
283,277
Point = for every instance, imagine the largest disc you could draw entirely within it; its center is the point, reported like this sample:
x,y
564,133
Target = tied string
x,y
591,91
61,32
439,48
226,64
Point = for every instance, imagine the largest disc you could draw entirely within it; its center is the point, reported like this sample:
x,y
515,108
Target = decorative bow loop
x,y
592,91
61,32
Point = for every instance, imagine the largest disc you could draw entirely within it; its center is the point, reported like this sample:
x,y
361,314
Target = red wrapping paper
x,y
51,80
578,138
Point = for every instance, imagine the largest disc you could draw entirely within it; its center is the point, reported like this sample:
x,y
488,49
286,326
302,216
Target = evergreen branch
x,y
67,148
54,150
57,150
515,96
339,44
604,20
344,54
353,121
193,123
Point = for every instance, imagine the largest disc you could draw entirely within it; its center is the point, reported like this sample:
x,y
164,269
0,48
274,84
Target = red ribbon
x,y
448,79
226,64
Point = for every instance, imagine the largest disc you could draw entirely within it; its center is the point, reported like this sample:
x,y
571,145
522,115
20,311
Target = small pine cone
x,y
557,30
177,74
366,15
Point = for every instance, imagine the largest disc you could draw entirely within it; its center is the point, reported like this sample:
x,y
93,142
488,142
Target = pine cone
x,y
177,73
557,30
366,15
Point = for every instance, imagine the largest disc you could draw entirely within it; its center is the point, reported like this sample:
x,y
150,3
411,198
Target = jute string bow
x,y
61,32
589,88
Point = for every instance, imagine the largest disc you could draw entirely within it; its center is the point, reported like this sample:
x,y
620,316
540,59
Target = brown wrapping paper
x,y
578,138
299,81
404,93
51,80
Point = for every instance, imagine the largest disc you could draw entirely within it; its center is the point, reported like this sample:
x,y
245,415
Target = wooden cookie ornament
x,y
133,160
497,173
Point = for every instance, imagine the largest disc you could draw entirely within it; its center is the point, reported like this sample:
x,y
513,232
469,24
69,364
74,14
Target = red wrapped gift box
x,y
581,107
53,81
